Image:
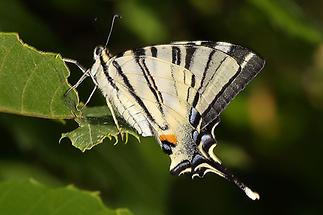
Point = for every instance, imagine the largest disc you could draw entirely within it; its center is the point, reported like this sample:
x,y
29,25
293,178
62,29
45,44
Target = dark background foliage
x,y
270,136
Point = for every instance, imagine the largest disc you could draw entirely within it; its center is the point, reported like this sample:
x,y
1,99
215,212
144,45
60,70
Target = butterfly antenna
x,y
111,28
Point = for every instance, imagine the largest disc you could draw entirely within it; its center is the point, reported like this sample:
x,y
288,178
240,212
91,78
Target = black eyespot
x,y
166,147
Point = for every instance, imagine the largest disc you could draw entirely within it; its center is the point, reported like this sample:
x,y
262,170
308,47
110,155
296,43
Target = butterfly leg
x,y
78,82
88,100
114,118
76,63
86,73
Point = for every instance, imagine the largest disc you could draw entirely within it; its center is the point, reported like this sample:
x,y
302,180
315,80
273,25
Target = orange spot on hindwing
x,y
170,138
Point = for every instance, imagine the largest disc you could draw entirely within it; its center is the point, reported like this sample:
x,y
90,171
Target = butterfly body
x,y
176,93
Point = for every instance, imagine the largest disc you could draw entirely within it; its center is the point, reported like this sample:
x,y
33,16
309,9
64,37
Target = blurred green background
x,y
270,135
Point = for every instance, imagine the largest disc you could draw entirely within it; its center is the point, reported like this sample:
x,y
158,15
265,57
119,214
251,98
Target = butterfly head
x,y
101,56
101,52
97,52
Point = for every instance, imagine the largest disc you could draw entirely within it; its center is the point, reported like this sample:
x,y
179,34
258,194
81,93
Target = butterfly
x,y
176,93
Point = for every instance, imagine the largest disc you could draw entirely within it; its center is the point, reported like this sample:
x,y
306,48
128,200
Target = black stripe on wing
x,y
105,70
236,51
140,60
190,50
176,55
153,50
131,90
196,97
250,65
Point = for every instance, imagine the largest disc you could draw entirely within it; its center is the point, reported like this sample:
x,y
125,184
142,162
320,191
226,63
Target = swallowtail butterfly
x,y
176,93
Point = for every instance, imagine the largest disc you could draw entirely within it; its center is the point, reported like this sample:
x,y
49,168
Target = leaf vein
x,y
32,72
90,135
56,211
5,56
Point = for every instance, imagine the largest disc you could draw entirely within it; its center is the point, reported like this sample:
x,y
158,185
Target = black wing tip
x,y
261,61
256,63
235,50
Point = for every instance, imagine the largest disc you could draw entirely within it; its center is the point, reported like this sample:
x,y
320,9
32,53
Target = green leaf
x,y
33,83
31,197
96,124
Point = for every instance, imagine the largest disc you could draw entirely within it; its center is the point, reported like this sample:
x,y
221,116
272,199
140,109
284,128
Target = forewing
x,y
157,86
250,64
